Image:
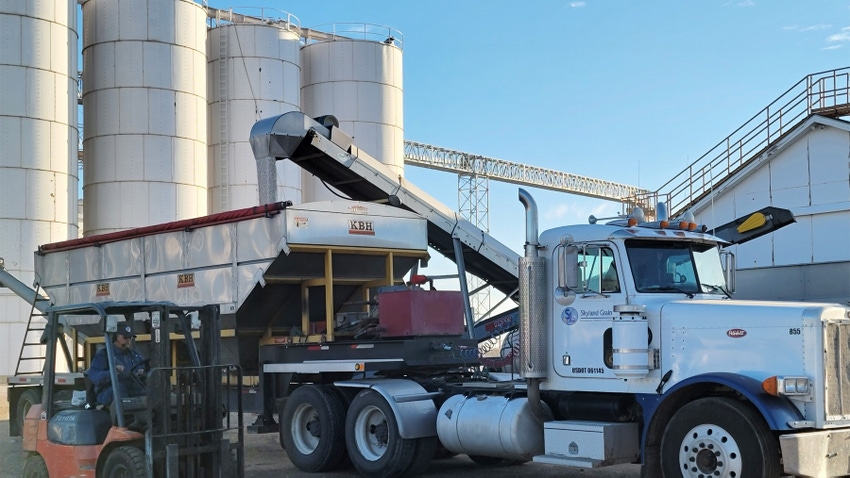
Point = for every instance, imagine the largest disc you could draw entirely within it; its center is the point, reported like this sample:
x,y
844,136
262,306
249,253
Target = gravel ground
x,y
264,458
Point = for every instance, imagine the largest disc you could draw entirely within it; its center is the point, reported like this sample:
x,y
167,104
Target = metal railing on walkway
x,y
826,93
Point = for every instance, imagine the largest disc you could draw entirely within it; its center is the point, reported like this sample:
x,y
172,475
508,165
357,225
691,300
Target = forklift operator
x,y
127,363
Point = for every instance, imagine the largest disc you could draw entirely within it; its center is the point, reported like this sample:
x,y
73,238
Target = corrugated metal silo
x,y
354,72
144,99
254,72
38,144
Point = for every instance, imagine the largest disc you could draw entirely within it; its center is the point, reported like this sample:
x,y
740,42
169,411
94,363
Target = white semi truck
x,y
631,349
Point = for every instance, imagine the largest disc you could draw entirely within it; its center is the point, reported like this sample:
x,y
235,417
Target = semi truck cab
x,y
643,337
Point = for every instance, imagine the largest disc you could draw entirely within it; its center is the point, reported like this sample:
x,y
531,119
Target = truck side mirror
x,y
566,258
729,269
568,276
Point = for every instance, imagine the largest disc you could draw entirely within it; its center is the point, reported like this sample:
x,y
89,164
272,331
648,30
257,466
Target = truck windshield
x,y
684,267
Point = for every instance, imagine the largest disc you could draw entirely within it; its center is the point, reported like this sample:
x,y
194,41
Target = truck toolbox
x,y
589,444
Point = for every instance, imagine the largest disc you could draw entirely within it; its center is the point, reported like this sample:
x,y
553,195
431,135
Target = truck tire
x,y
125,462
345,399
373,440
28,398
426,450
312,426
35,467
719,437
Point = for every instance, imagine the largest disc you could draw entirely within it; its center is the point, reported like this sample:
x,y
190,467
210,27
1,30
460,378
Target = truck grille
x,y
837,353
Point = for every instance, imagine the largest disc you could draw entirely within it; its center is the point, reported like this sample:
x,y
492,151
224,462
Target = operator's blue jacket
x,y
128,386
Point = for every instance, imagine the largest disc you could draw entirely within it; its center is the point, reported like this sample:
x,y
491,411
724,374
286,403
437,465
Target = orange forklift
x,y
185,424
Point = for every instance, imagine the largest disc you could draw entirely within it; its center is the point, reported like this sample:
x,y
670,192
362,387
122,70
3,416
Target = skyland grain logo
x,y
363,228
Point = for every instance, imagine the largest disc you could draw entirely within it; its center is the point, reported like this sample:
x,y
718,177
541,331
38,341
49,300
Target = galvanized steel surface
x,y
144,98
254,72
38,140
359,82
226,260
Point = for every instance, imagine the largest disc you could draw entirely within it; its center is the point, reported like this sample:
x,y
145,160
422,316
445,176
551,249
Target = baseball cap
x,y
126,331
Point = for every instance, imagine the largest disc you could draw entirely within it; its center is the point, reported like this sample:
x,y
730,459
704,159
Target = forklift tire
x,y
35,467
374,444
27,399
312,425
125,462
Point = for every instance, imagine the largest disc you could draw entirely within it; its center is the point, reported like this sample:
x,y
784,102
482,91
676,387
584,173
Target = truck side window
x,y
599,270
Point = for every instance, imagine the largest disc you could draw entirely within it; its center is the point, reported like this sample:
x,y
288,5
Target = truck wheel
x,y
28,398
718,437
35,467
125,462
312,427
426,450
372,438
345,399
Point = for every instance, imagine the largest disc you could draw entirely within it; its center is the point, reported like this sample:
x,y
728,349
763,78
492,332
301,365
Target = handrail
x,y
826,93
253,16
353,31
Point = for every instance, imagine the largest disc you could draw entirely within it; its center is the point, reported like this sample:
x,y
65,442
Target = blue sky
x,y
627,91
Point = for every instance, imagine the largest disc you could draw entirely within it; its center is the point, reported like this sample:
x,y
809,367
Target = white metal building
x,y
808,172
254,72
38,141
145,104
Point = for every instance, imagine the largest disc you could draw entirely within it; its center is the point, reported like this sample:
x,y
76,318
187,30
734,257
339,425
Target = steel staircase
x,y
826,93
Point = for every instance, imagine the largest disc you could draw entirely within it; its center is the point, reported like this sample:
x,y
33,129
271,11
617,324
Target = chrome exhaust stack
x,y
532,298
534,350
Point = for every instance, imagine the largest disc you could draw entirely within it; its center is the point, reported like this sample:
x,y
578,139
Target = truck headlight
x,y
787,386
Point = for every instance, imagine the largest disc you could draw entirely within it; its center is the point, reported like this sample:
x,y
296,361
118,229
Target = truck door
x,y
579,329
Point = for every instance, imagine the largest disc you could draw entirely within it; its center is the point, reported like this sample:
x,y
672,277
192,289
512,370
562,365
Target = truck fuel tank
x,y
490,425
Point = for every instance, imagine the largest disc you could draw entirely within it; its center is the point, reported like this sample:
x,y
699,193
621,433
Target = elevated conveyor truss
x,y
329,154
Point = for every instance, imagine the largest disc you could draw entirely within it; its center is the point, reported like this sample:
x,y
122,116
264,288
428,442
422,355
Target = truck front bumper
x,y
817,453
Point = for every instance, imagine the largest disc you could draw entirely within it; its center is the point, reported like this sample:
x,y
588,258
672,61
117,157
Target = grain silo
x,y
38,145
254,72
144,99
354,72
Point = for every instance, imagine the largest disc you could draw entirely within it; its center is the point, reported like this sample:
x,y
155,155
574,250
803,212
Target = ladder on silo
x,y
223,166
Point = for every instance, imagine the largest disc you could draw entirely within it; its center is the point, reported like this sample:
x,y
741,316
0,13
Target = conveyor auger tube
x,y
325,151
22,290
278,137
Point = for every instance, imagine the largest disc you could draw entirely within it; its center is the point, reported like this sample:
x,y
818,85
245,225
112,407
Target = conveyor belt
x,y
329,154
